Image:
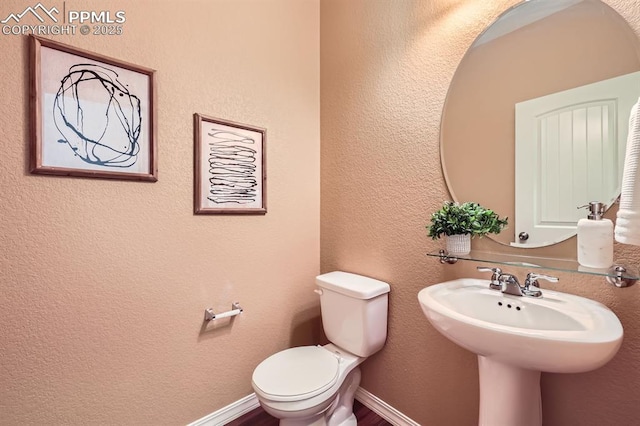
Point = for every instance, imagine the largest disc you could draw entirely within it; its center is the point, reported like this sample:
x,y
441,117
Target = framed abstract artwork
x,y
91,116
229,167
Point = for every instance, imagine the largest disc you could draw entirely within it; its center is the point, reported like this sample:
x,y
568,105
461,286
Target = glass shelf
x,y
563,265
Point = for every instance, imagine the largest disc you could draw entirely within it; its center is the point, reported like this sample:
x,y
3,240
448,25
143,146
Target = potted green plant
x,y
460,222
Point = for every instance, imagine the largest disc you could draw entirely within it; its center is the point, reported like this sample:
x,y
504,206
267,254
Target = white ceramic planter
x,y
459,244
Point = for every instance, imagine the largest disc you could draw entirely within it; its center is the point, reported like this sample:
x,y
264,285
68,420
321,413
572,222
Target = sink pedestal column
x,y
509,395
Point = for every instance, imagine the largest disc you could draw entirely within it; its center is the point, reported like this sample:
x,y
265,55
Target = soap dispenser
x,y
595,238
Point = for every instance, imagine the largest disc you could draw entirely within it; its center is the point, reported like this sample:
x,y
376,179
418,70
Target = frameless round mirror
x,y
536,117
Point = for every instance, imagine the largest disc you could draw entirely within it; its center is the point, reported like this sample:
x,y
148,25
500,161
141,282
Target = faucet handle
x,y
496,273
532,279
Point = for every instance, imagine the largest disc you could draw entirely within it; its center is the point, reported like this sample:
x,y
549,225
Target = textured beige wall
x,y
385,70
104,283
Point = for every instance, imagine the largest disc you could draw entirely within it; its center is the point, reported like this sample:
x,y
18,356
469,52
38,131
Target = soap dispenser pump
x,y
595,238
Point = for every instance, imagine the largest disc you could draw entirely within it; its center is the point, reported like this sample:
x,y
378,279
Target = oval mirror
x,y
535,120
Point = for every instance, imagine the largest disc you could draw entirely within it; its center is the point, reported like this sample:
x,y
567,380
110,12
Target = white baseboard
x,y
230,412
250,402
383,409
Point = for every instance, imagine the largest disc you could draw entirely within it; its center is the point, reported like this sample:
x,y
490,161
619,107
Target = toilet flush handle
x,y
318,291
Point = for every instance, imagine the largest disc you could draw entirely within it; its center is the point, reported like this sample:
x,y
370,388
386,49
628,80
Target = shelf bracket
x,y
446,258
618,279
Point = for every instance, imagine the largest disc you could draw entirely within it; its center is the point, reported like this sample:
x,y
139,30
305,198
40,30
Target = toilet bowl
x,y
309,385
315,385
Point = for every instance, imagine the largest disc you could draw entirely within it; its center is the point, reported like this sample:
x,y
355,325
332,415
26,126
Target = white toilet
x,y
315,385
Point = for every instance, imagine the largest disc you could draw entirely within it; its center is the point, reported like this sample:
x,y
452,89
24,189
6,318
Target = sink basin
x,y
516,338
559,333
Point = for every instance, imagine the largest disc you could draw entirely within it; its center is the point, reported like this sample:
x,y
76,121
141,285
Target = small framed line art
x,y
229,167
91,116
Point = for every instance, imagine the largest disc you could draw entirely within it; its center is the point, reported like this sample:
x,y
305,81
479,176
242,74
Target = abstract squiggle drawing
x,y
97,116
232,168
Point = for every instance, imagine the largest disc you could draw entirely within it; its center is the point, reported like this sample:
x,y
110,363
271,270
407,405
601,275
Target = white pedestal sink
x,y
516,338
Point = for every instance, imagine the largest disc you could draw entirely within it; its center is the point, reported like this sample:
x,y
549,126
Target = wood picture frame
x,y
229,167
90,115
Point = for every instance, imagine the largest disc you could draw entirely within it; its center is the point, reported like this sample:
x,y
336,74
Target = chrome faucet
x,y
509,284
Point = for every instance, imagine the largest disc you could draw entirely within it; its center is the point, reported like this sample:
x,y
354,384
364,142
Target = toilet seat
x,y
296,373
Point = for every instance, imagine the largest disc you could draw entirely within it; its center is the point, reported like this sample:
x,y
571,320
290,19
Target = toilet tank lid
x,y
352,285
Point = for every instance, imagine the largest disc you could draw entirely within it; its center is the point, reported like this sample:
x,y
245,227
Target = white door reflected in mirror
x,y
570,149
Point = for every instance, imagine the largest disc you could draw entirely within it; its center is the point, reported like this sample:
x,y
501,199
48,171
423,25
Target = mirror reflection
x,y
535,121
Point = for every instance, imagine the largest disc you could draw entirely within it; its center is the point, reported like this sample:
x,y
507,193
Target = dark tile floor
x,y
259,417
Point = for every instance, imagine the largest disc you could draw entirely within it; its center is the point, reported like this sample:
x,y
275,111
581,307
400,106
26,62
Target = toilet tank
x,y
354,311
